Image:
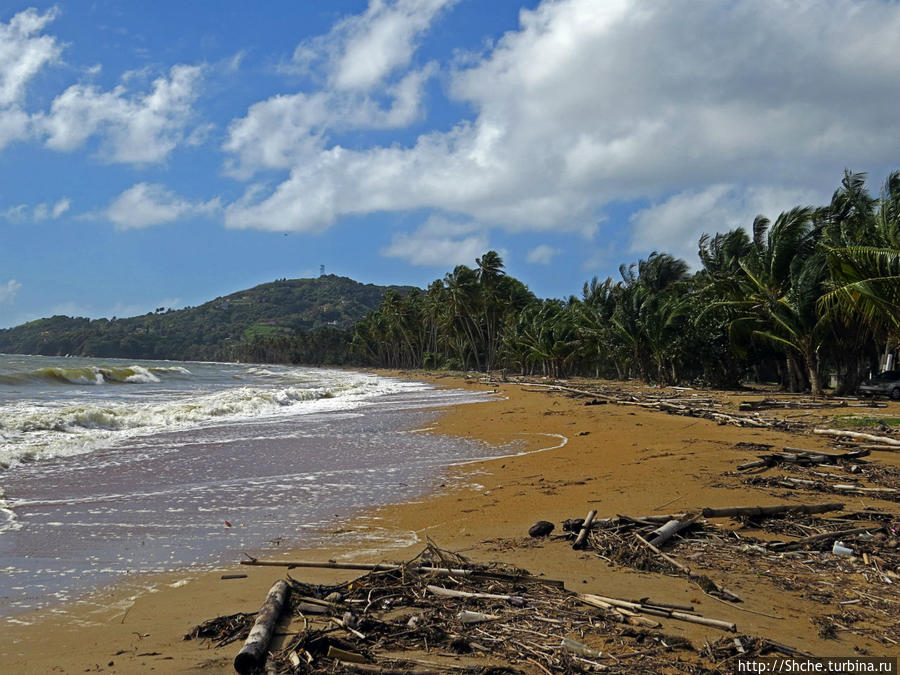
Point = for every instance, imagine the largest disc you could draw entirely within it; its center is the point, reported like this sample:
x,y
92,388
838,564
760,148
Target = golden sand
x,y
615,459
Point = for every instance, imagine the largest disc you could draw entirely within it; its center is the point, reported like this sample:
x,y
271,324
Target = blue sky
x,y
165,153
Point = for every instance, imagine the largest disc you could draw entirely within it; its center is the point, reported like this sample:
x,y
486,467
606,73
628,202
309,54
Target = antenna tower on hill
x,y
321,270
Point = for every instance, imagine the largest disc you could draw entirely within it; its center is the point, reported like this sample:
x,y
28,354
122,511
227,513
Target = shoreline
x,y
616,459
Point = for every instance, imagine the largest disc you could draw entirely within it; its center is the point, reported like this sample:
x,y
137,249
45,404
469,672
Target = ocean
x,y
114,468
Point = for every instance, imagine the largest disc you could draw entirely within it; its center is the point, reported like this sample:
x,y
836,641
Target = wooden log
x,y
850,454
670,529
841,433
255,650
585,528
778,509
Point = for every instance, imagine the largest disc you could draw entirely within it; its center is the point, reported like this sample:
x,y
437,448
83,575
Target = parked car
x,y
887,383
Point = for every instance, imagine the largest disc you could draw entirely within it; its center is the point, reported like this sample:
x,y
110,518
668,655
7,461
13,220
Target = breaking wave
x,y
94,375
37,433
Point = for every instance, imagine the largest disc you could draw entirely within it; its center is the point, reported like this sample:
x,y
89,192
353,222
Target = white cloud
x,y
439,243
145,204
542,254
23,53
9,290
45,211
361,52
134,128
284,130
369,85
676,224
61,207
22,213
592,102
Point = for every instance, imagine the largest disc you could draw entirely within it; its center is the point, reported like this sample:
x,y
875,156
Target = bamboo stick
x,y
672,614
367,567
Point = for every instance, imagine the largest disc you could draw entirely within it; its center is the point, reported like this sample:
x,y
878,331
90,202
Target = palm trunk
x,y
815,378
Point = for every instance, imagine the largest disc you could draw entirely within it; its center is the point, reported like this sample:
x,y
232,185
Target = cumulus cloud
x,y
439,243
9,290
361,52
676,224
542,254
24,52
369,85
136,128
146,204
588,103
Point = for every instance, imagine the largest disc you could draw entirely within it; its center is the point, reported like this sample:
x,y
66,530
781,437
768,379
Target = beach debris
x,y
657,610
576,647
893,443
803,458
223,630
767,511
254,652
541,528
838,548
406,619
585,529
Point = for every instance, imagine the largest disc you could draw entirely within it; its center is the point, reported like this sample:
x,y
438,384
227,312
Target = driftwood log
x,y
662,534
255,650
585,528
840,433
730,511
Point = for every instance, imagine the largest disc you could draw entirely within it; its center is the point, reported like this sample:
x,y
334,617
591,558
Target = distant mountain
x,y
210,331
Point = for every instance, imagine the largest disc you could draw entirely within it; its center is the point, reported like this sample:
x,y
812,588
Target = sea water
x,y
114,468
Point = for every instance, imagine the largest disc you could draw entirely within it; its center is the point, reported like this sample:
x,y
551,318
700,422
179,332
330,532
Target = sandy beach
x,y
616,459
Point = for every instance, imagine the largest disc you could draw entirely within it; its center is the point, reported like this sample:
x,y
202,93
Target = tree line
x,y
815,292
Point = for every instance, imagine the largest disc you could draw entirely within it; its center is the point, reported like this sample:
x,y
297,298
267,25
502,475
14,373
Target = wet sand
x,y
615,459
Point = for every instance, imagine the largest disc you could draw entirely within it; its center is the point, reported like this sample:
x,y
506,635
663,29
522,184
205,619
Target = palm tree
x,y
490,273
776,294
867,278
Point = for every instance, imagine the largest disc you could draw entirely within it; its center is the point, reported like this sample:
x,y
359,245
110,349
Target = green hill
x,y
221,329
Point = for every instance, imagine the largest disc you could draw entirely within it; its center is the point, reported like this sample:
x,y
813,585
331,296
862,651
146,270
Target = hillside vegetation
x,y
310,318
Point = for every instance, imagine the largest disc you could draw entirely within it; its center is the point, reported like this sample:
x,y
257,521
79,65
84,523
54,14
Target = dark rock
x,y
573,524
540,529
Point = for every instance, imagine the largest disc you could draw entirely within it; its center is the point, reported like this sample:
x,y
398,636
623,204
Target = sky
x,y
161,154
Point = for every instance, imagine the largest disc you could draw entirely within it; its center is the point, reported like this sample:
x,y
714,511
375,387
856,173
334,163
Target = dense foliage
x,y
815,292
297,320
